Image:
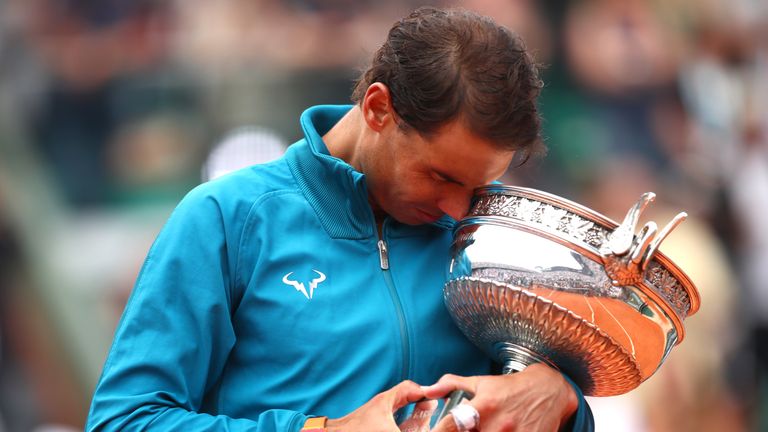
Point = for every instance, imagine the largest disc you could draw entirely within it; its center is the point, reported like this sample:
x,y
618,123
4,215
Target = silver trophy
x,y
536,278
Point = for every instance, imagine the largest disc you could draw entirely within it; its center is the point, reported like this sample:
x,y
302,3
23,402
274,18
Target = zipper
x,y
383,255
384,264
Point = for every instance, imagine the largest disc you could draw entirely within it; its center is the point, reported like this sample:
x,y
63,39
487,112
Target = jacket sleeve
x,y
582,420
175,334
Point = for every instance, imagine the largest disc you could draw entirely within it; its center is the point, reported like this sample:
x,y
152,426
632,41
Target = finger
x,y
404,393
425,405
449,383
449,424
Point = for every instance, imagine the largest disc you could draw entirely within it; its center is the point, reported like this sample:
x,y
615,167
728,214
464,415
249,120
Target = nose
x,y
455,205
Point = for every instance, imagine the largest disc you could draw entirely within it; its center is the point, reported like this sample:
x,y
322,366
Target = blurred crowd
x,y
111,110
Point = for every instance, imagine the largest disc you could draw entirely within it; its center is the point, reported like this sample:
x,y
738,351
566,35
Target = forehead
x,y
456,151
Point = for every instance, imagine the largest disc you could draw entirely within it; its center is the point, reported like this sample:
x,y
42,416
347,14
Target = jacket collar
x,y
335,190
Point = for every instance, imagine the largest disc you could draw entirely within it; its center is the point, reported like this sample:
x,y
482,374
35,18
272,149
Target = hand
x,y
538,399
377,415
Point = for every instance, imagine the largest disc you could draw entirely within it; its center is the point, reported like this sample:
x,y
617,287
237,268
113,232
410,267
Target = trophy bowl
x,y
535,278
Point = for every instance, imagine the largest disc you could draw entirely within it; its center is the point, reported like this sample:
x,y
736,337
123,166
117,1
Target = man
x,y
309,290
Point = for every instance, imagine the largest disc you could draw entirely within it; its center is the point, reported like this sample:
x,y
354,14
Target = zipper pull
x,y
383,256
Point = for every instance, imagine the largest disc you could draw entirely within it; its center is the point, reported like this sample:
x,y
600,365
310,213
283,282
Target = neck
x,y
345,141
345,138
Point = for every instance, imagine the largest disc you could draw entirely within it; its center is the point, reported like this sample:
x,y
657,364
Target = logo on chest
x,y
300,285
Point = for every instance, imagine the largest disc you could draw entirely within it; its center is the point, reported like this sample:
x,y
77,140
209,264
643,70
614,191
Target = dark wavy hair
x,y
445,64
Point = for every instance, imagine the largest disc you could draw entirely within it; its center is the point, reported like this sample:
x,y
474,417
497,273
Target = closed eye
x,y
440,176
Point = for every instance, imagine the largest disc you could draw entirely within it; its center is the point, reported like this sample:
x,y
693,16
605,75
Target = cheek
x,y
425,190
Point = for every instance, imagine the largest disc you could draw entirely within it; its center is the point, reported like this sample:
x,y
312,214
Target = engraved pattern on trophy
x,y
537,278
669,287
546,215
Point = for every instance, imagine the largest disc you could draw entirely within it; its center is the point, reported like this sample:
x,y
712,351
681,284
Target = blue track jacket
x,y
264,301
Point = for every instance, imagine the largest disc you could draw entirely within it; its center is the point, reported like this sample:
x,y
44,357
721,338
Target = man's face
x,y
417,180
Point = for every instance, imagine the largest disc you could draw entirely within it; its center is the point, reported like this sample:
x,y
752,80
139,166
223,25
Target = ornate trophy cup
x,y
537,278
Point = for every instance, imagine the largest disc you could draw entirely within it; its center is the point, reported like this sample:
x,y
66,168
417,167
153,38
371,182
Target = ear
x,y
377,107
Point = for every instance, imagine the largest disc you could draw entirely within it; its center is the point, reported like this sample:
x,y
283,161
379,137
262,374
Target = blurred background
x,y
111,110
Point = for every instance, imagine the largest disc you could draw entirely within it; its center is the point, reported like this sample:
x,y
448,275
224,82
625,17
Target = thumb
x,y
449,383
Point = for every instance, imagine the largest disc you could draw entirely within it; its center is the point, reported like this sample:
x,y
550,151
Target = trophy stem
x,y
516,358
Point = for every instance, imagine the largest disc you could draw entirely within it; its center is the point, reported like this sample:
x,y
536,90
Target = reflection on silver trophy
x,y
537,278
